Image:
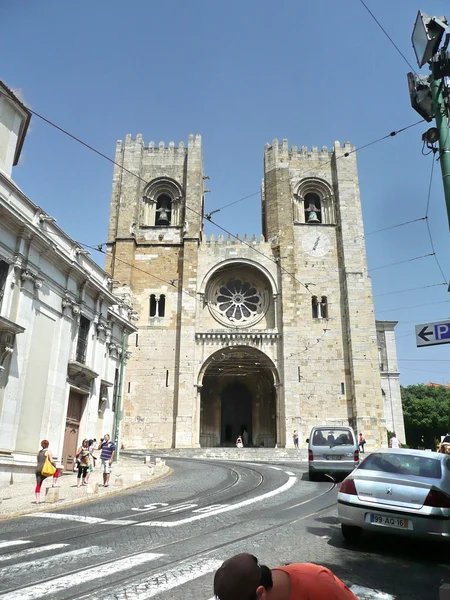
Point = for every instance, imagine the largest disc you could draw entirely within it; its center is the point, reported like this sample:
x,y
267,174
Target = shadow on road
x,y
407,569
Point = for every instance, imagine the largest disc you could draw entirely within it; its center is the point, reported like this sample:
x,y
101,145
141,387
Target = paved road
x,y
166,540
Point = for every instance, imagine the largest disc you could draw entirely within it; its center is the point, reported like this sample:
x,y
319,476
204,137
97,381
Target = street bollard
x,y
92,488
52,494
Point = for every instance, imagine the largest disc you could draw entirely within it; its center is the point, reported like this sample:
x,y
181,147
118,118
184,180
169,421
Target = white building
x,y
390,378
63,333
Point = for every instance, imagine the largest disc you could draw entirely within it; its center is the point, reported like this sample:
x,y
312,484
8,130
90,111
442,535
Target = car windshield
x,y
404,464
333,437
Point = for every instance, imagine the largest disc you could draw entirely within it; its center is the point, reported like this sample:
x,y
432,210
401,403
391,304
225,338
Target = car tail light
x,y
356,456
437,499
348,487
310,455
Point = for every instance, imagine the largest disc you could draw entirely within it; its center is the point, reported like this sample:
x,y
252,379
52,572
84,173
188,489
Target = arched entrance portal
x,y
236,412
238,394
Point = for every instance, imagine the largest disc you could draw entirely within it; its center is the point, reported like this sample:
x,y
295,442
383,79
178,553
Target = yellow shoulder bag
x,y
48,469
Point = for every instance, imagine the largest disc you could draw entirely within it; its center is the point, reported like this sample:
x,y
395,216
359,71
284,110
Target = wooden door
x,y
74,412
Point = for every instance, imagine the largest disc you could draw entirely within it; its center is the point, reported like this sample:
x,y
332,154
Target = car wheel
x,y
312,476
351,533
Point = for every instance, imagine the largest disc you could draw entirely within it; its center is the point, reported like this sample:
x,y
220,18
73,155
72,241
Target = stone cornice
x,y
227,336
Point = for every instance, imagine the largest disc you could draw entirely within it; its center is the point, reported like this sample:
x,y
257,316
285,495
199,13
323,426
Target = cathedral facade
x,y
266,334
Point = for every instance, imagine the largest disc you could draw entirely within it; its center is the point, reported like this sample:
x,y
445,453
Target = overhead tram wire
x,y
75,138
388,36
413,306
427,221
345,155
422,287
170,282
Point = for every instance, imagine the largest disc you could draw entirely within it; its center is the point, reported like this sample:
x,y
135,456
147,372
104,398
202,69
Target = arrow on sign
x,y
423,333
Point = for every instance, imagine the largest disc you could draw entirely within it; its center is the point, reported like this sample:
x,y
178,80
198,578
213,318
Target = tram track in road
x,y
143,517
143,570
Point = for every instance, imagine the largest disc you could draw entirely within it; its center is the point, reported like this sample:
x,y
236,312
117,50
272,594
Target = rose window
x,y
239,301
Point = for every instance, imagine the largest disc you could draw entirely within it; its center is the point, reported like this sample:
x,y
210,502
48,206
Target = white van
x,y
332,450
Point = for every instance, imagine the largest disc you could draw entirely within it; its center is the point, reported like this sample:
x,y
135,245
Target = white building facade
x,y
63,334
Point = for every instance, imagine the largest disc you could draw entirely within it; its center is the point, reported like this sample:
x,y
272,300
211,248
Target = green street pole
x,y
440,114
118,416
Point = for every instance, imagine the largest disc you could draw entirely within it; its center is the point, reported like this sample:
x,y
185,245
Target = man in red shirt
x,y
242,578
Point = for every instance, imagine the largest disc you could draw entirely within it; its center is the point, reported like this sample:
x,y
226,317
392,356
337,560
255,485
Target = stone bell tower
x,y
154,234
312,216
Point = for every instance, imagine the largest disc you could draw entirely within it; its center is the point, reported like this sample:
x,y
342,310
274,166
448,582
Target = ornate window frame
x,y
153,190
314,185
236,300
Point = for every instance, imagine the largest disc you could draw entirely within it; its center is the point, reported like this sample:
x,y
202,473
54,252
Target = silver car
x,y
405,492
332,450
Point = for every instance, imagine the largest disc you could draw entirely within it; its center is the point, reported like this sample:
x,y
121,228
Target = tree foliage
x,y
426,410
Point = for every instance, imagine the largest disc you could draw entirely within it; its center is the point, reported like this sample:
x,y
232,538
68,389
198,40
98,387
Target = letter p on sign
x,y
442,331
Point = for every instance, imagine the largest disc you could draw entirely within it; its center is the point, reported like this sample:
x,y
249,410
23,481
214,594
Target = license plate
x,y
334,457
396,522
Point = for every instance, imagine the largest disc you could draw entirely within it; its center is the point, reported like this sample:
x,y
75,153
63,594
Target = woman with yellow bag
x,y
45,468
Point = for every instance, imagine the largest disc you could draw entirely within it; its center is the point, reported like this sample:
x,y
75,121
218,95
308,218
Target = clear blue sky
x,y
241,73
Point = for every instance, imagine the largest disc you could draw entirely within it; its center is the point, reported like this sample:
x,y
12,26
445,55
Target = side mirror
x,y
307,440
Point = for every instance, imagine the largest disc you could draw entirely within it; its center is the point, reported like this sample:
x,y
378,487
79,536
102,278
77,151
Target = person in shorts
x,y
107,449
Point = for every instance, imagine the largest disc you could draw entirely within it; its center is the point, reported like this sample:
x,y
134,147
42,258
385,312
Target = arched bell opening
x,y
238,398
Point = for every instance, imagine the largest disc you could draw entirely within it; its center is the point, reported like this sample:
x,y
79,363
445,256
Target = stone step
x,y
240,454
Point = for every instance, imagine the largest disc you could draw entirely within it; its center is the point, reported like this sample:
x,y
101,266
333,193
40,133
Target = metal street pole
x,y
440,114
118,415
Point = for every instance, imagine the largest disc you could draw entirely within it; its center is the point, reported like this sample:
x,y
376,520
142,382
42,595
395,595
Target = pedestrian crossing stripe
x,y
30,551
163,581
58,584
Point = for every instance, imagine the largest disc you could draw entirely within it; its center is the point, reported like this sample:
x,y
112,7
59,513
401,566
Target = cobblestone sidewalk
x,y
19,498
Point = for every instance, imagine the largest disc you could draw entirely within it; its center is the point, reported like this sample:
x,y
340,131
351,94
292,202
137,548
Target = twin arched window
x,y
319,307
157,305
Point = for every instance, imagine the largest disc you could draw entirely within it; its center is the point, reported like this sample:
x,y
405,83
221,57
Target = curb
x,y
86,499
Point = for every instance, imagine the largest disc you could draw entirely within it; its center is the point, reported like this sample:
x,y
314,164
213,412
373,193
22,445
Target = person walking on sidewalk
x,y
242,578
107,450
361,443
41,455
84,461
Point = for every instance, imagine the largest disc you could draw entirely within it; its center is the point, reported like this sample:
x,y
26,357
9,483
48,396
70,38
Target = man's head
x,y
106,437
242,578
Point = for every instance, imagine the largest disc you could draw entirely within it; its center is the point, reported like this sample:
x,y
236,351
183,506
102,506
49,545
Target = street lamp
x,y
430,95
427,35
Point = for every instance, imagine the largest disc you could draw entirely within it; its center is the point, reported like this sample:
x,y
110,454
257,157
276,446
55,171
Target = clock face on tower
x,y
316,243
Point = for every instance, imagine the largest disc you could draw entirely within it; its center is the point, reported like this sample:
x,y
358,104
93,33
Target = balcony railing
x,y
81,350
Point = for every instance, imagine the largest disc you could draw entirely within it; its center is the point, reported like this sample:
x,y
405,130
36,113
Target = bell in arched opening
x,y
312,208
163,210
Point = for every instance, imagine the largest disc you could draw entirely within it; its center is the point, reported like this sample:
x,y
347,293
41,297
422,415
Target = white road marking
x,y
119,522
78,518
275,468
153,506
289,473
30,551
14,543
53,587
48,560
165,580
289,483
364,593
